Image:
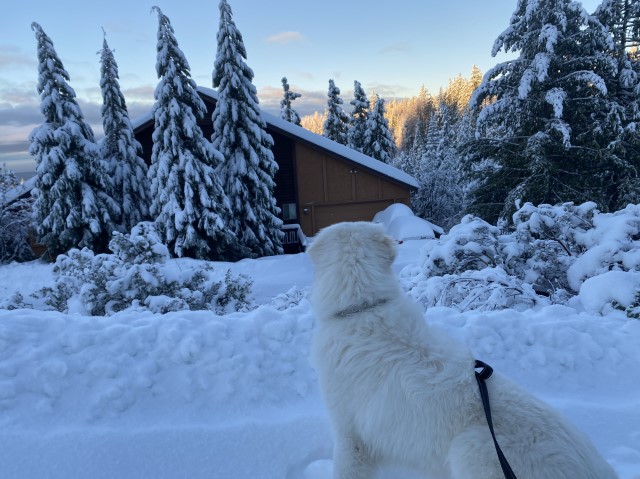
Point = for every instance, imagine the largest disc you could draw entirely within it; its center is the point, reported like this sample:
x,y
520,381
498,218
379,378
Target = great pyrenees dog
x,y
400,391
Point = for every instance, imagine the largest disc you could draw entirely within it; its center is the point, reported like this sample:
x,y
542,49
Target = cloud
x,y
309,102
19,115
14,149
285,37
12,56
143,93
398,47
389,92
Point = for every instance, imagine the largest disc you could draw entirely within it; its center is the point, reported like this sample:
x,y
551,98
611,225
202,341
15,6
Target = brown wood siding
x,y
368,186
332,189
339,180
310,173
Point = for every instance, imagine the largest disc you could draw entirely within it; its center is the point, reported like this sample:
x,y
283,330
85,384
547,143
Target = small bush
x,y
471,245
547,239
139,274
486,290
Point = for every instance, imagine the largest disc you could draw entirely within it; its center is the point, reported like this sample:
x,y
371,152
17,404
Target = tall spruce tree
x,y
120,150
358,118
622,18
540,125
378,140
72,205
189,204
286,110
336,124
239,133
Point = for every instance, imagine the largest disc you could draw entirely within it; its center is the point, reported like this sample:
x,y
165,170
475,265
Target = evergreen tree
x,y
188,202
314,122
378,141
358,119
72,206
440,196
120,150
337,123
420,109
622,18
15,220
286,111
540,123
239,134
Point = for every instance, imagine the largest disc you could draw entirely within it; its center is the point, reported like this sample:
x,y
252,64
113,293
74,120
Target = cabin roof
x,y
315,140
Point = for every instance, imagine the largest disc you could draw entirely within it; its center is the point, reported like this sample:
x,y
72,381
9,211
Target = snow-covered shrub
x,y
471,245
143,245
139,275
485,290
15,220
613,244
554,250
612,290
464,269
291,298
545,243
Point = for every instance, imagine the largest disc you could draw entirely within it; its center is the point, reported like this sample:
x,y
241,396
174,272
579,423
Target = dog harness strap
x,y
481,376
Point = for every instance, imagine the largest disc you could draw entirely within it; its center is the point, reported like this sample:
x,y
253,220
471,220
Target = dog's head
x,y
353,264
359,241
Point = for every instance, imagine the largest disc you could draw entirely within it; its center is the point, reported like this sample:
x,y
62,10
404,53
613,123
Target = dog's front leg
x,y
351,459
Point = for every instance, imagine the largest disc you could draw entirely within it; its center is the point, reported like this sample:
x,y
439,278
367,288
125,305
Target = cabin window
x,y
289,211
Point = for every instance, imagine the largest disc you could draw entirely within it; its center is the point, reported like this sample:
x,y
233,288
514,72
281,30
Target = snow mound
x,y
611,290
71,370
401,224
392,212
409,228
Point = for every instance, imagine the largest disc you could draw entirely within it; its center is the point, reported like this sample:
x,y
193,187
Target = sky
x,y
391,48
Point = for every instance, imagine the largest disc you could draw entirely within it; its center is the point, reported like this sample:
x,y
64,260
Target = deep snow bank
x,y
195,395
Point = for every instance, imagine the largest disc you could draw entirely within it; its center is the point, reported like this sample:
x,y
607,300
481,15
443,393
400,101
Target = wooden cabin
x,y
319,182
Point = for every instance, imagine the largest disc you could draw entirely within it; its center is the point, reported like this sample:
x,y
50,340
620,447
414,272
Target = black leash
x,y
481,376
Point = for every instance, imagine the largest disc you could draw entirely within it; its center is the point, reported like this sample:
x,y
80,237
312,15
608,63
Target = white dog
x,y
399,391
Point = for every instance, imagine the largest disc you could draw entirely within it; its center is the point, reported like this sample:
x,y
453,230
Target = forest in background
x,y
558,123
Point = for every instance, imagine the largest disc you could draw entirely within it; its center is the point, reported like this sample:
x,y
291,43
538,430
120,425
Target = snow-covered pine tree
x,y
378,141
622,18
541,114
420,109
336,124
314,122
358,118
120,150
72,206
188,201
440,196
239,133
286,111
15,220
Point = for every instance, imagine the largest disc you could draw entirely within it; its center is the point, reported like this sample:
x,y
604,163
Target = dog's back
x,y
398,390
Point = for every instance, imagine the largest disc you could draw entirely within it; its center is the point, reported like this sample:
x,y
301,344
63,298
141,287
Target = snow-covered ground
x,y
194,395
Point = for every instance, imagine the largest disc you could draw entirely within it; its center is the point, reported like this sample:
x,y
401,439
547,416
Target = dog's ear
x,y
392,251
313,251
316,248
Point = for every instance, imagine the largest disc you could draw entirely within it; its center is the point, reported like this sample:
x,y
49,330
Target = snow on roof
x,y
141,120
314,139
329,145
14,193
